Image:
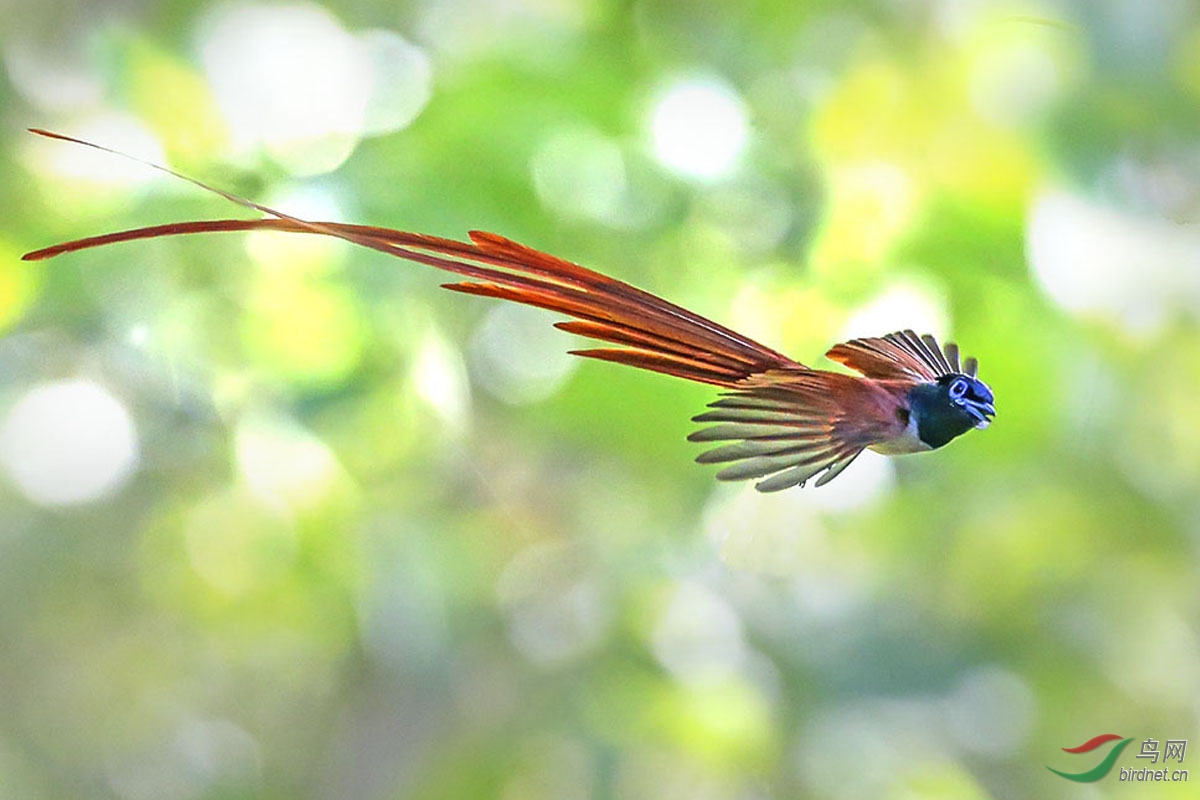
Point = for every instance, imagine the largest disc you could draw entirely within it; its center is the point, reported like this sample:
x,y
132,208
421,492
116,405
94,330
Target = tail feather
x,y
669,339
664,363
632,337
614,311
657,335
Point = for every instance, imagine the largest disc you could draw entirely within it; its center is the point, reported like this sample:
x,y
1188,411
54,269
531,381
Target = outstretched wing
x,y
789,427
901,356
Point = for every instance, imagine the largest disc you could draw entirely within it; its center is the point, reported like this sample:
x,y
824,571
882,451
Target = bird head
x,y
950,407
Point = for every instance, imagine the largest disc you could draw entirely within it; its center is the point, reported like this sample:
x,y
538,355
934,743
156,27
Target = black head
x,y
950,407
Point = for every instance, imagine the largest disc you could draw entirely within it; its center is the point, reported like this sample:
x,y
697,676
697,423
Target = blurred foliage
x,y
347,535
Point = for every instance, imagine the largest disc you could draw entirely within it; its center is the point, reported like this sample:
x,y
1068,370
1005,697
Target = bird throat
x,y
937,421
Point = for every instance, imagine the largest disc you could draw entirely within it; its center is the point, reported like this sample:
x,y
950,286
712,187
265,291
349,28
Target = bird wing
x,y
787,427
901,356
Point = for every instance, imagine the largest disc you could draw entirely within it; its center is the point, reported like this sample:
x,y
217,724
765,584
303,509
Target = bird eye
x,y
958,388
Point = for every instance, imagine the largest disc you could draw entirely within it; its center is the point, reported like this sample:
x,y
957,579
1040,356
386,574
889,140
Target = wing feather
x,y
761,466
785,429
753,448
837,468
900,356
789,428
800,474
952,356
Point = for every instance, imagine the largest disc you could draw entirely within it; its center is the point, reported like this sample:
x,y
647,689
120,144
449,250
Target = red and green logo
x,y
1100,770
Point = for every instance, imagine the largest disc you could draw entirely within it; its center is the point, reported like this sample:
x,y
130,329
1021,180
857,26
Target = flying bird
x,y
778,421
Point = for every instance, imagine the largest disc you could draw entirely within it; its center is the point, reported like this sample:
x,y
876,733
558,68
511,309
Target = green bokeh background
x,y
331,578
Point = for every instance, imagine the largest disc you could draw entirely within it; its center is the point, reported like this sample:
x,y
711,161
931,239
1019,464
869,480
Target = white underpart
x,y
909,442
